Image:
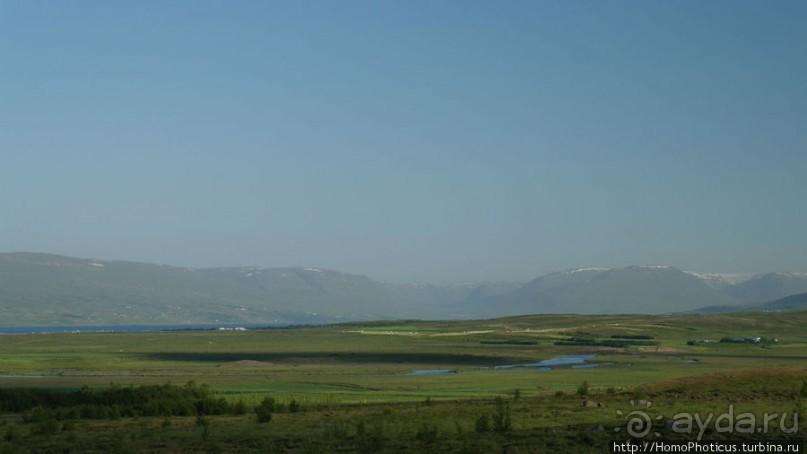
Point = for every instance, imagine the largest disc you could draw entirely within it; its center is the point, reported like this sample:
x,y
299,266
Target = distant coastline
x,y
137,328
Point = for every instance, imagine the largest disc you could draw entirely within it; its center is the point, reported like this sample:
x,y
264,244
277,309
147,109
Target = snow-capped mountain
x,y
638,289
49,289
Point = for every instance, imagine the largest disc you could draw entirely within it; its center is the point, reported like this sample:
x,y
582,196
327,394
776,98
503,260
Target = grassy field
x,y
355,393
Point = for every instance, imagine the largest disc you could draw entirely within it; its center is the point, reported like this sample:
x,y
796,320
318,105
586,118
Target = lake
x,y
564,360
575,361
432,372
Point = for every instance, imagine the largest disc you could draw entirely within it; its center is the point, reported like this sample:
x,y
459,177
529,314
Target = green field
x,y
354,393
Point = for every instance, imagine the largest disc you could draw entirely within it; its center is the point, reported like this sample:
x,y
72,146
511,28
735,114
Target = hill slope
x,y
768,287
797,302
635,289
49,289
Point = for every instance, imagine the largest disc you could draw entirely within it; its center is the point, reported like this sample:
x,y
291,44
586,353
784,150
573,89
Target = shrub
x,y
117,401
336,431
371,441
44,420
46,427
502,421
582,390
12,435
204,424
482,424
265,409
427,433
294,406
239,408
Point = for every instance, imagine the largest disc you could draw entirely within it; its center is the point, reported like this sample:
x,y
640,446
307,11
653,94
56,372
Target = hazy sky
x,y
407,140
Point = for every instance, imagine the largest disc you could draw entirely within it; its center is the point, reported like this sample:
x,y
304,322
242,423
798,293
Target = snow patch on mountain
x,y
720,279
582,270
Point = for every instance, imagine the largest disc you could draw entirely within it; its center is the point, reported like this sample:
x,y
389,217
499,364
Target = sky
x,y
410,141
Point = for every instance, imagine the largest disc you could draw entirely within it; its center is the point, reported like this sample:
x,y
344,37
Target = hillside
x,y
635,289
48,289
797,302
768,287
43,289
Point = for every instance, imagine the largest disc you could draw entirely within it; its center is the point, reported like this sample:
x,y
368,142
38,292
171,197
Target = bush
x,y
502,421
371,441
427,433
46,427
582,390
12,435
337,430
117,401
294,406
482,424
265,409
204,424
240,408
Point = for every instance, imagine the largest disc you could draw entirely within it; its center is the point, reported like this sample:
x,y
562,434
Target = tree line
x,y
118,401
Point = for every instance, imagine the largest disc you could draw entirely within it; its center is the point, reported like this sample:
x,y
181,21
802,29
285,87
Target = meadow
x,y
349,387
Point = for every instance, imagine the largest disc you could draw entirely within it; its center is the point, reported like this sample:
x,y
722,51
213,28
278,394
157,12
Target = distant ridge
x,y
635,289
797,302
46,289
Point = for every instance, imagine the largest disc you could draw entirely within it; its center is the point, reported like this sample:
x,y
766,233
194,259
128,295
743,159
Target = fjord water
x,y
135,328
563,360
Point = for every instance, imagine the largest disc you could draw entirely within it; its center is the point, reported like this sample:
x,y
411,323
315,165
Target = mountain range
x,y
44,289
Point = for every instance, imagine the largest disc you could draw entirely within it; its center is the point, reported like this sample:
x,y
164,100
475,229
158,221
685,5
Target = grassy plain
x,y
356,395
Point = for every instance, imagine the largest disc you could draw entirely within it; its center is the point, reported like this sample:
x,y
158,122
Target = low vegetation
x,y
117,401
344,388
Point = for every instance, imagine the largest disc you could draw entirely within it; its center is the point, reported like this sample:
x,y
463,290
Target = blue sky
x,y
407,140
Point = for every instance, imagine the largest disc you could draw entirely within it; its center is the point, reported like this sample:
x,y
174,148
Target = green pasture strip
x,y
340,361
